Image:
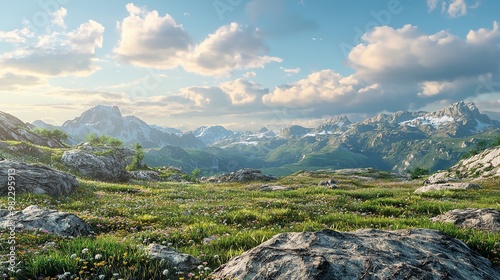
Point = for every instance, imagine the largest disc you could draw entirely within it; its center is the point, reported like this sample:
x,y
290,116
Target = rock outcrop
x,y
35,218
447,186
12,128
99,163
483,165
240,176
483,219
35,179
183,262
363,254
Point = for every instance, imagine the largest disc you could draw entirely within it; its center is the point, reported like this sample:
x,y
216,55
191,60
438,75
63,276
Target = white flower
x,y
216,256
207,268
102,276
73,256
116,274
200,267
165,272
85,251
98,256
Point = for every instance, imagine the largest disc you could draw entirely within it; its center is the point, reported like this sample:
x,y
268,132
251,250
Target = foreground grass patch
x,y
217,222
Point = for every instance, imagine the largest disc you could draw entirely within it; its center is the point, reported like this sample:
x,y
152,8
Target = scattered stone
x,y
36,218
145,175
35,179
273,188
208,240
99,163
447,186
363,254
332,184
241,176
483,219
183,262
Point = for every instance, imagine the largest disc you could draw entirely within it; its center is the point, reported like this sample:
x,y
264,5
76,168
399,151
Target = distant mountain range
x,y
398,142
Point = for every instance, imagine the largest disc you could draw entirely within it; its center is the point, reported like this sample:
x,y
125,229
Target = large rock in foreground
x,y
363,254
240,176
35,218
99,163
484,219
36,179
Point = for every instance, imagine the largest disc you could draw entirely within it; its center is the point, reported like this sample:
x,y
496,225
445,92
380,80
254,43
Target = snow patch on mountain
x,y
425,120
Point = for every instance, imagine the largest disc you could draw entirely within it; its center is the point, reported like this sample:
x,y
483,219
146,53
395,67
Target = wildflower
x,y
200,267
102,276
190,275
85,251
207,268
116,274
73,256
98,257
165,272
216,256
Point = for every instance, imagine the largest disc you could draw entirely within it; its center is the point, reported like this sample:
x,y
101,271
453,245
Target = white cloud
x,y
454,8
59,16
457,8
230,47
291,70
150,40
56,54
242,92
406,54
250,74
16,36
317,88
432,4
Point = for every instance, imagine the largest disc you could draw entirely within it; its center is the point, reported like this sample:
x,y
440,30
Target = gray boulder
x,y
183,262
99,163
447,186
332,184
240,176
483,219
35,179
35,218
363,254
145,175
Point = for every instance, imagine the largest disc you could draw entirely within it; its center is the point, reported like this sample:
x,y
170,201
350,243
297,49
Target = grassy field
x,y
236,216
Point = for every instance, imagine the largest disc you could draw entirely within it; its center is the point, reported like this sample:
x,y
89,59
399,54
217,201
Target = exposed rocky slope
x,y
12,128
99,163
483,165
363,254
36,218
37,179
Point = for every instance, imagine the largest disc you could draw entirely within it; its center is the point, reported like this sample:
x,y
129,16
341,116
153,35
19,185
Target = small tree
x,y
137,158
102,140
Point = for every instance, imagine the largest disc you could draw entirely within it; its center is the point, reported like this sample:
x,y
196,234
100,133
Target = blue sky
x,y
246,64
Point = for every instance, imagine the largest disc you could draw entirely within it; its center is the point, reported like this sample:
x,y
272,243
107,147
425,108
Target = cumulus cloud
x,y
230,47
399,69
406,54
317,88
150,40
55,54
